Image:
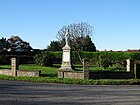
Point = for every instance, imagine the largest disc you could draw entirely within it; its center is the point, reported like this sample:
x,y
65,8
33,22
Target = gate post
x,y
14,64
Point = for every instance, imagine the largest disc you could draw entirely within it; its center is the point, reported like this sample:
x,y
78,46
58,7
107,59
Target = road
x,y
27,93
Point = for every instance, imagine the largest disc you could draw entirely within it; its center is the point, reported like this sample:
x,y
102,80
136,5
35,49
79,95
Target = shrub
x,y
105,60
44,58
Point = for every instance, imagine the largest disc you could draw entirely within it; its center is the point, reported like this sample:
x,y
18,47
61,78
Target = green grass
x,y
97,69
45,71
53,71
49,75
5,66
73,81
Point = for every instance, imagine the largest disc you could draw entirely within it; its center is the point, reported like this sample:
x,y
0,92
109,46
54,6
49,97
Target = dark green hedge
x,y
96,57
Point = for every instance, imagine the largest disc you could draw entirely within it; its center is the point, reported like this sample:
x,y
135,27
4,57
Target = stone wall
x,y
110,75
7,72
71,74
29,73
15,72
75,74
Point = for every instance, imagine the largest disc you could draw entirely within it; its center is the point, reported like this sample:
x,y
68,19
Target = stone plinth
x,y
63,73
66,59
71,74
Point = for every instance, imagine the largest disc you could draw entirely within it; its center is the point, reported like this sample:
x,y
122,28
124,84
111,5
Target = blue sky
x,y
116,22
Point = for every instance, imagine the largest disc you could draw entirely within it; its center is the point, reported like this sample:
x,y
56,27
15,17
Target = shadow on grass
x,y
48,75
135,83
56,66
4,68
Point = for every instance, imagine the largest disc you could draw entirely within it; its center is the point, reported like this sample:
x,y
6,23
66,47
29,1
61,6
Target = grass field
x,y
45,71
49,75
53,71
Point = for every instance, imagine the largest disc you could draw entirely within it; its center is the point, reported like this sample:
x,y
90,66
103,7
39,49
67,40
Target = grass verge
x,y
49,75
73,81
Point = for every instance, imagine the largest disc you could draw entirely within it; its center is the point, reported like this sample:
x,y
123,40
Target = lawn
x,y
45,71
49,75
53,71
100,69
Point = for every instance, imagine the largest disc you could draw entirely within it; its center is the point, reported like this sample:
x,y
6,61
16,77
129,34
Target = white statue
x,y
66,36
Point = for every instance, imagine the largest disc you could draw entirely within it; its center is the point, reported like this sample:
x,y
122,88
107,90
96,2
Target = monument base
x,y
66,66
66,69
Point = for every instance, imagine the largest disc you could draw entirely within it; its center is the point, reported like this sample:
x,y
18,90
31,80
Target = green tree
x,y
88,45
3,44
54,46
17,44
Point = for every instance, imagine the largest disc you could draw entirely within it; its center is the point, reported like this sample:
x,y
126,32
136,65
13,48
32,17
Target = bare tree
x,y
77,33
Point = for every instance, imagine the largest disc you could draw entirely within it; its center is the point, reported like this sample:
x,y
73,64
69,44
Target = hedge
x,y
96,57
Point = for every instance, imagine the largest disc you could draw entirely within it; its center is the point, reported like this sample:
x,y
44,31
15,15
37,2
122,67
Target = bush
x,y
44,58
105,60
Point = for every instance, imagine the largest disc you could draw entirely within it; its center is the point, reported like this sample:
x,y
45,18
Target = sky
x,y
116,22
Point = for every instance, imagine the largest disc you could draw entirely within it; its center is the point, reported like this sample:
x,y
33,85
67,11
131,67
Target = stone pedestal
x,y
69,73
66,59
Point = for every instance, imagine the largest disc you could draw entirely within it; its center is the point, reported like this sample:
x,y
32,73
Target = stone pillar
x,y
85,68
14,64
130,65
66,59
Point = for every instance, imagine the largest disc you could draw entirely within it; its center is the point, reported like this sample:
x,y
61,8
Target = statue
x,y
66,36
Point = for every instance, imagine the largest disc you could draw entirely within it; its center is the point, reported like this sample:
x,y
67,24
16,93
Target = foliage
x,y
79,37
135,56
105,60
79,33
44,58
88,45
117,59
55,46
14,43
58,54
3,44
17,44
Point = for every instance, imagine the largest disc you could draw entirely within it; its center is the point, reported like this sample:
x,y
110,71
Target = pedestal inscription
x,y
66,56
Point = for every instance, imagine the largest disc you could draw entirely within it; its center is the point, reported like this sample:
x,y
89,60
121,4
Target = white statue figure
x,y
66,36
